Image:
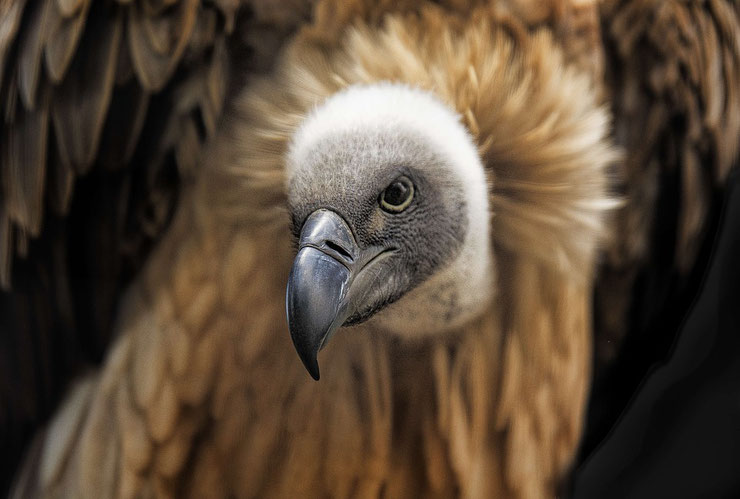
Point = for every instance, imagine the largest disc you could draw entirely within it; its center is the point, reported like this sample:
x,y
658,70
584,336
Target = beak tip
x,y
312,366
307,352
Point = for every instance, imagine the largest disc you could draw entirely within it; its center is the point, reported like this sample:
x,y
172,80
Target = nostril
x,y
338,249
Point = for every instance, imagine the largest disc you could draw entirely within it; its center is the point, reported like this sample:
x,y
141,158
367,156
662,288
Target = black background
x,y
679,436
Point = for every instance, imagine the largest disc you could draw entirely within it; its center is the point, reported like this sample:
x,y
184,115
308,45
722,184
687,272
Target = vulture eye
x,y
397,196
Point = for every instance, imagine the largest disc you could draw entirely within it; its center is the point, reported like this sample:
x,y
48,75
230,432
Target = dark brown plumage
x,y
673,72
105,105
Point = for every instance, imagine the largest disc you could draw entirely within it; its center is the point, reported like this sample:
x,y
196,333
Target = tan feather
x,y
228,9
31,43
10,98
70,7
137,446
164,412
155,59
24,148
215,81
10,19
205,30
188,148
67,426
64,33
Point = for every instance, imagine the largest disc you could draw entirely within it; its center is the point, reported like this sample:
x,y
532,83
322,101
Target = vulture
x,y
465,217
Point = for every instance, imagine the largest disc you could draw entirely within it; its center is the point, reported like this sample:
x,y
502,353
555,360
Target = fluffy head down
x,y
358,141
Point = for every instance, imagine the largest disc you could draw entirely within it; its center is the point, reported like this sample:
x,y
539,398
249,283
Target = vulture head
x,y
389,202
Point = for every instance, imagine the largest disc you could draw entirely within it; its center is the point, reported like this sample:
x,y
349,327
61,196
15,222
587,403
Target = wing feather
x,y
105,107
64,33
69,8
61,182
81,101
24,168
123,125
154,68
31,46
10,19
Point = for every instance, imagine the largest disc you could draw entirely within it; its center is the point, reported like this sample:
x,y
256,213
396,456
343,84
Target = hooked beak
x,y
323,291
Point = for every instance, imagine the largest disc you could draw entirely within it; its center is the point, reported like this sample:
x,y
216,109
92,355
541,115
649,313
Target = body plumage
x,y
201,393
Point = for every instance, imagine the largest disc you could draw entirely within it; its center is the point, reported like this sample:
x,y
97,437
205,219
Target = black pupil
x,y
396,193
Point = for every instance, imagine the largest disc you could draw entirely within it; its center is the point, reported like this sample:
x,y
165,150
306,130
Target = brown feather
x,y
24,148
124,67
188,148
70,7
228,9
81,101
21,242
123,125
64,33
10,98
205,30
31,44
61,182
215,83
10,19
116,209
154,68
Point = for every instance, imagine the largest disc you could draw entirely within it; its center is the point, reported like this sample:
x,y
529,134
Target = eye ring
x,y
398,195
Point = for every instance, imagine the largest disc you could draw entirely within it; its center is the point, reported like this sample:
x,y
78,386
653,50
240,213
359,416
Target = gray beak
x,y
318,299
